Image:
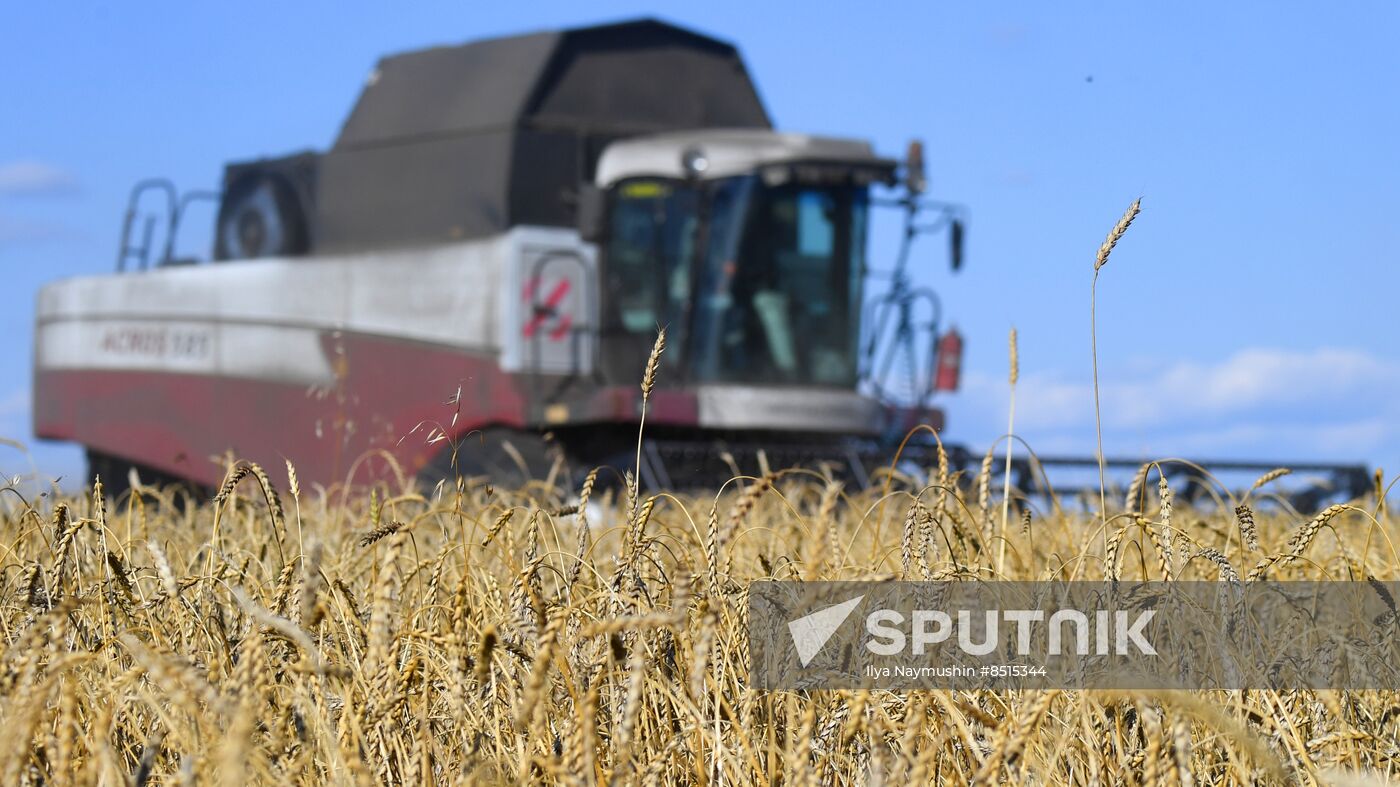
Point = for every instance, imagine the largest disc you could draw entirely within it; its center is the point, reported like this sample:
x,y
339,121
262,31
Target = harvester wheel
x,y
115,473
506,457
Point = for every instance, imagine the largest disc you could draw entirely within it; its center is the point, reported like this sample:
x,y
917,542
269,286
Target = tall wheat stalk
x,y
648,383
1099,261
1015,373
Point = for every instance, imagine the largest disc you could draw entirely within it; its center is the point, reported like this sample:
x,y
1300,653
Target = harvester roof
x,y
636,76
729,152
498,133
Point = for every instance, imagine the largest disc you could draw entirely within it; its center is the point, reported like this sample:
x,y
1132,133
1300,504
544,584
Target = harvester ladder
x,y
140,253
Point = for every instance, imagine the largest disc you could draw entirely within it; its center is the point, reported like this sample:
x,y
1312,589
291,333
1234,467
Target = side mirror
x,y
590,213
914,177
955,240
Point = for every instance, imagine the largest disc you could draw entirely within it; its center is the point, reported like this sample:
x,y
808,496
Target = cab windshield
x,y
755,283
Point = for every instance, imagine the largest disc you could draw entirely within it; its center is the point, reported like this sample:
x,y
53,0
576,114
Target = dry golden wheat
x,y
147,666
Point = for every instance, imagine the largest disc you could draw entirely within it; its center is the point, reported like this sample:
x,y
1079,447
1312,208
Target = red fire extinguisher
x,y
949,365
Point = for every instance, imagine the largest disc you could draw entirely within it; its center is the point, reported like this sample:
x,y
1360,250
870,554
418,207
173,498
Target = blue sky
x,y
1249,312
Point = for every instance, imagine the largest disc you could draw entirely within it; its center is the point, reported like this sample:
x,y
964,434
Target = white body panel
x,y
786,408
264,318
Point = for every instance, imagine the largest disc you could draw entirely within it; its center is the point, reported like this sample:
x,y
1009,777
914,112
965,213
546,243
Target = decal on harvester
x,y
546,314
159,341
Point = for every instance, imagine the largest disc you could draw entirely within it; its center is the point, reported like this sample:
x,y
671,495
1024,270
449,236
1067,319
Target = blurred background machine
x,y
470,280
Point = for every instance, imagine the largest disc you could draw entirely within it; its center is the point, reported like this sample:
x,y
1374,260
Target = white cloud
x,y
1257,402
29,177
15,230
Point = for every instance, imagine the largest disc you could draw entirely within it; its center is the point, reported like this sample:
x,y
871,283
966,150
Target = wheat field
x,y
466,634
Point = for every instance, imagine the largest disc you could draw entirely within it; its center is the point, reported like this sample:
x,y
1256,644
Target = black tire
x,y
506,457
115,473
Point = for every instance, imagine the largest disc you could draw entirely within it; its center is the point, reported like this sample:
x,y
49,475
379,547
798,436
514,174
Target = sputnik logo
x,y
810,632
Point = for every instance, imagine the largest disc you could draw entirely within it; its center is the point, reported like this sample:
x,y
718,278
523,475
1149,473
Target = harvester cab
x,y
748,245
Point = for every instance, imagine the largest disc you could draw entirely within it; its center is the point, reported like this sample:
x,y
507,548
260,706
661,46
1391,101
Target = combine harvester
x,y
470,280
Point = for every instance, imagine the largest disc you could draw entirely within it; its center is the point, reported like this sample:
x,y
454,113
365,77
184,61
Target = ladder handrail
x,y
125,249
185,200
175,206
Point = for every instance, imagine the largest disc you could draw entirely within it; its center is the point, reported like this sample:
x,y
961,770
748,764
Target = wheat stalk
x,y
648,383
1133,502
1298,544
381,532
1164,497
1101,260
906,544
1015,373
1269,477
1227,570
1244,518
984,493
